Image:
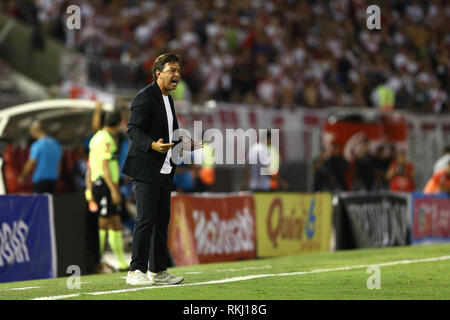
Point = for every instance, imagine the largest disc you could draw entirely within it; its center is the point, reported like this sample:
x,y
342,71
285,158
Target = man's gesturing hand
x,y
192,145
161,147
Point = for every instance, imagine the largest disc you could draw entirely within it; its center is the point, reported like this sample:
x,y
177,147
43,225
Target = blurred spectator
x,y
96,236
104,188
128,206
382,159
401,173
384,97
440,181
420,96
44,160
263,156
80,167
364,168
321,173
338,169
184,178
181,92
122,141
96,124
205,173
441,163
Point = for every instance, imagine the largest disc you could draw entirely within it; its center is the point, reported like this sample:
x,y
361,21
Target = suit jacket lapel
x,y
157,92
172,107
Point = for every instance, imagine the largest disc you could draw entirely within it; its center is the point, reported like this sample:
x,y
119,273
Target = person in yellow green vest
x,y
103,186
384,97
181,92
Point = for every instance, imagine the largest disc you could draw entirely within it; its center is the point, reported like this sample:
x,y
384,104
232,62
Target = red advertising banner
x,y
349,136
349,128
211,228
430,218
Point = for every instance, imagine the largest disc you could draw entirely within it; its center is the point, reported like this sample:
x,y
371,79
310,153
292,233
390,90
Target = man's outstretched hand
x,y
191,144
161,147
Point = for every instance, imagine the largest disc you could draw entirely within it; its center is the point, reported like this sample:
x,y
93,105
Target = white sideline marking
x,y
245,268
59,297
250,277
22,288
28,288
223,270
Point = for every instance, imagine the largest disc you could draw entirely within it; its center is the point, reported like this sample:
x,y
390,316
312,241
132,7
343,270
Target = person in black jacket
x,y
337,168
151,124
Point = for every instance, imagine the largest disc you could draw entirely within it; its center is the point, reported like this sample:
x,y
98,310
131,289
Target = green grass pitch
x,y
413,272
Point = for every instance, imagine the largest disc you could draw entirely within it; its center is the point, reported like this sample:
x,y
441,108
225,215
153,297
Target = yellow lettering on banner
x,y
292,223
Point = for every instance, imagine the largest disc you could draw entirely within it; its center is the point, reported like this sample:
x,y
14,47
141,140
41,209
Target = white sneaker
x,y
138,278
164,277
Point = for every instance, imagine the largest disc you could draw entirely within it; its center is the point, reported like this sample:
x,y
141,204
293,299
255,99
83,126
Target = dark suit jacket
x,y
147,123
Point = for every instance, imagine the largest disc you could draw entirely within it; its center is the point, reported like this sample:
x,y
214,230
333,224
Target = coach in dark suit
x,y
150,127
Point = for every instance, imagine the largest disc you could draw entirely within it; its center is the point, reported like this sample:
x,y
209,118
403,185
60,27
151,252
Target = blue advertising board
x,y
430,218
27,237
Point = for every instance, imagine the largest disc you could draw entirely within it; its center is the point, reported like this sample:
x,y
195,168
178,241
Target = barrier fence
x,y
27,238
430,217
292,223
212,228
378,219
42,235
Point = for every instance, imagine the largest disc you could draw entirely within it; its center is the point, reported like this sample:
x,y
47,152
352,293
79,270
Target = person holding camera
x,y
400,173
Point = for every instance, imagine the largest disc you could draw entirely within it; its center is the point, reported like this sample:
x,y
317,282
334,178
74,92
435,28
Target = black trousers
x,y
152,223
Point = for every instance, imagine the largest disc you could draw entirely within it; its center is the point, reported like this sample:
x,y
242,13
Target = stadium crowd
x,y
279,53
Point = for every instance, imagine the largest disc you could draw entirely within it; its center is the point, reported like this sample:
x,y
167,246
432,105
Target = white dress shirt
x,y
167,168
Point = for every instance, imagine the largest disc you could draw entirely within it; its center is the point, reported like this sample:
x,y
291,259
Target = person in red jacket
x,y
400,173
